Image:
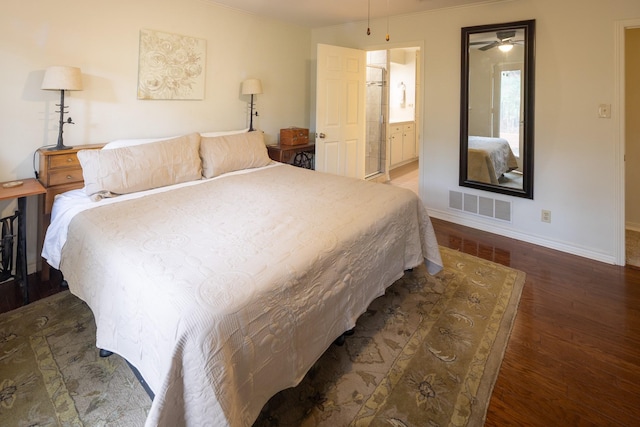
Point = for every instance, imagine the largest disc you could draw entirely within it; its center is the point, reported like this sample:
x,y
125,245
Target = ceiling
x,y
322,13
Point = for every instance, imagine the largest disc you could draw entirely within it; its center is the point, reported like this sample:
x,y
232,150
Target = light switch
x,y
604,111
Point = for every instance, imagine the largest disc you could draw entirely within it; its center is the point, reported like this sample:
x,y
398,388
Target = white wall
x,y
102,38
575,158
575,151
402,71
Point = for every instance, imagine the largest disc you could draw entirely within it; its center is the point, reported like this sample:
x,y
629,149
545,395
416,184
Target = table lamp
x,y
62,78
251,87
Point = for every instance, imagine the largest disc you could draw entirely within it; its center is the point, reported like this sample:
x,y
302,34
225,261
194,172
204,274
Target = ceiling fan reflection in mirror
x,y
505,41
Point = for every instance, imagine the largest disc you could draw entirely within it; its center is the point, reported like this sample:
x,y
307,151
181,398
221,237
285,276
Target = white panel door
x,y
340,108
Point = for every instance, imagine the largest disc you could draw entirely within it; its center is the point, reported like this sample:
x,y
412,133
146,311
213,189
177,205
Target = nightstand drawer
x,y
64,176
68,160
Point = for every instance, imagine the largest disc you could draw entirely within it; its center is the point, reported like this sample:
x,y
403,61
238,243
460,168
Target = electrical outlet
x,y
546,216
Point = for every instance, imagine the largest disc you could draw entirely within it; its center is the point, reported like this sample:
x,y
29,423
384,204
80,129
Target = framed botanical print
x,y
171,66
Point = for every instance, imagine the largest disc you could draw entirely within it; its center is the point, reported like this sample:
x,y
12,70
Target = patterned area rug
x,y
426,353
51,374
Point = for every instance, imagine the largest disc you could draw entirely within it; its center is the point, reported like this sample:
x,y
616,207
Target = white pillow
x,y
228,153
224,132
109,173
119,143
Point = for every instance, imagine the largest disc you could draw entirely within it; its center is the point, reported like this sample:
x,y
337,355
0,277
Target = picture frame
x,y
171,66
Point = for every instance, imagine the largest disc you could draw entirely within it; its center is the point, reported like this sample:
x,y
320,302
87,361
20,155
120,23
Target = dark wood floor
x,y
573,358
11,295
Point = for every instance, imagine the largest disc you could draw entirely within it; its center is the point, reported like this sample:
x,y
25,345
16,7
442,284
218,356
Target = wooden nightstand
x,y
302,155
60,171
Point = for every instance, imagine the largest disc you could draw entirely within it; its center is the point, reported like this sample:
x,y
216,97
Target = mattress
x,y
489,158
223,292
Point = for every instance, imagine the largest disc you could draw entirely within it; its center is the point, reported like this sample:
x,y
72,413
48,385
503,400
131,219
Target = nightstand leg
x,y
21,261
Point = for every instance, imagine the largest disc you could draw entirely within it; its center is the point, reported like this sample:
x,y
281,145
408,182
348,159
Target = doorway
x,y
623,186
632,146
392,110
376,113
509,106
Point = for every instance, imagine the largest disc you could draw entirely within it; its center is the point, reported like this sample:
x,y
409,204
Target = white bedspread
x,y
224,292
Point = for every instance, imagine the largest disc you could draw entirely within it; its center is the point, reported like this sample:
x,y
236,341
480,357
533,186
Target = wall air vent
x,y
480,205
455,200
470,203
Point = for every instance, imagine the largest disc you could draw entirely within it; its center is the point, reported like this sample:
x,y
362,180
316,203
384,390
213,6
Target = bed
x,y
224,285
489,158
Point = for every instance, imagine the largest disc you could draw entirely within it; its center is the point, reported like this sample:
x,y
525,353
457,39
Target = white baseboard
x,y
461,219
633,226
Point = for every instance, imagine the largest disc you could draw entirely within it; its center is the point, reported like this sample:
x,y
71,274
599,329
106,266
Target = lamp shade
x,y
62,78
251,87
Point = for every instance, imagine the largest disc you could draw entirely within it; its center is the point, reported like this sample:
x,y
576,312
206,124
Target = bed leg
x,y
105,353
340,340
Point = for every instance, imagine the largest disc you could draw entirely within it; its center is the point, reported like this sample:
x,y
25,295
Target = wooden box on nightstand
x,y
60,171
294,136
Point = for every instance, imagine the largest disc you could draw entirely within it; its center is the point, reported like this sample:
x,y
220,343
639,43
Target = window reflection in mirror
x,y
496,120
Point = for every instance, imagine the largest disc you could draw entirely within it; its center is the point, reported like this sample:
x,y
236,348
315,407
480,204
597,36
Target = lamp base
x,y
59,147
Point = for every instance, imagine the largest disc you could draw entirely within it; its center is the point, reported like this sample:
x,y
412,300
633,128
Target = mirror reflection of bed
x,y
492,161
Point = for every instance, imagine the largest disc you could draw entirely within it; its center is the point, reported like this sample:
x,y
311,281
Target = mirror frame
x,y
528,119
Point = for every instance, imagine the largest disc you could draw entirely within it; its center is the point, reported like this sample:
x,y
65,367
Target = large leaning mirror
x,y
497,108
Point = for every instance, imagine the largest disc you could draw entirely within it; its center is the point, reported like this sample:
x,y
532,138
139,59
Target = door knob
x,y
321,135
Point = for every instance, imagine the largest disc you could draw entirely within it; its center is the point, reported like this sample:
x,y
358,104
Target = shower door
x,y
375,121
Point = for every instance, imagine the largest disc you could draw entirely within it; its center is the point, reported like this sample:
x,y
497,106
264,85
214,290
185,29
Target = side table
x,y
302,154
60,171
9,190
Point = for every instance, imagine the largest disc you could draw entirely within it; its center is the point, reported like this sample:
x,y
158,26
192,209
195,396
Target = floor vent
x,y
480,205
